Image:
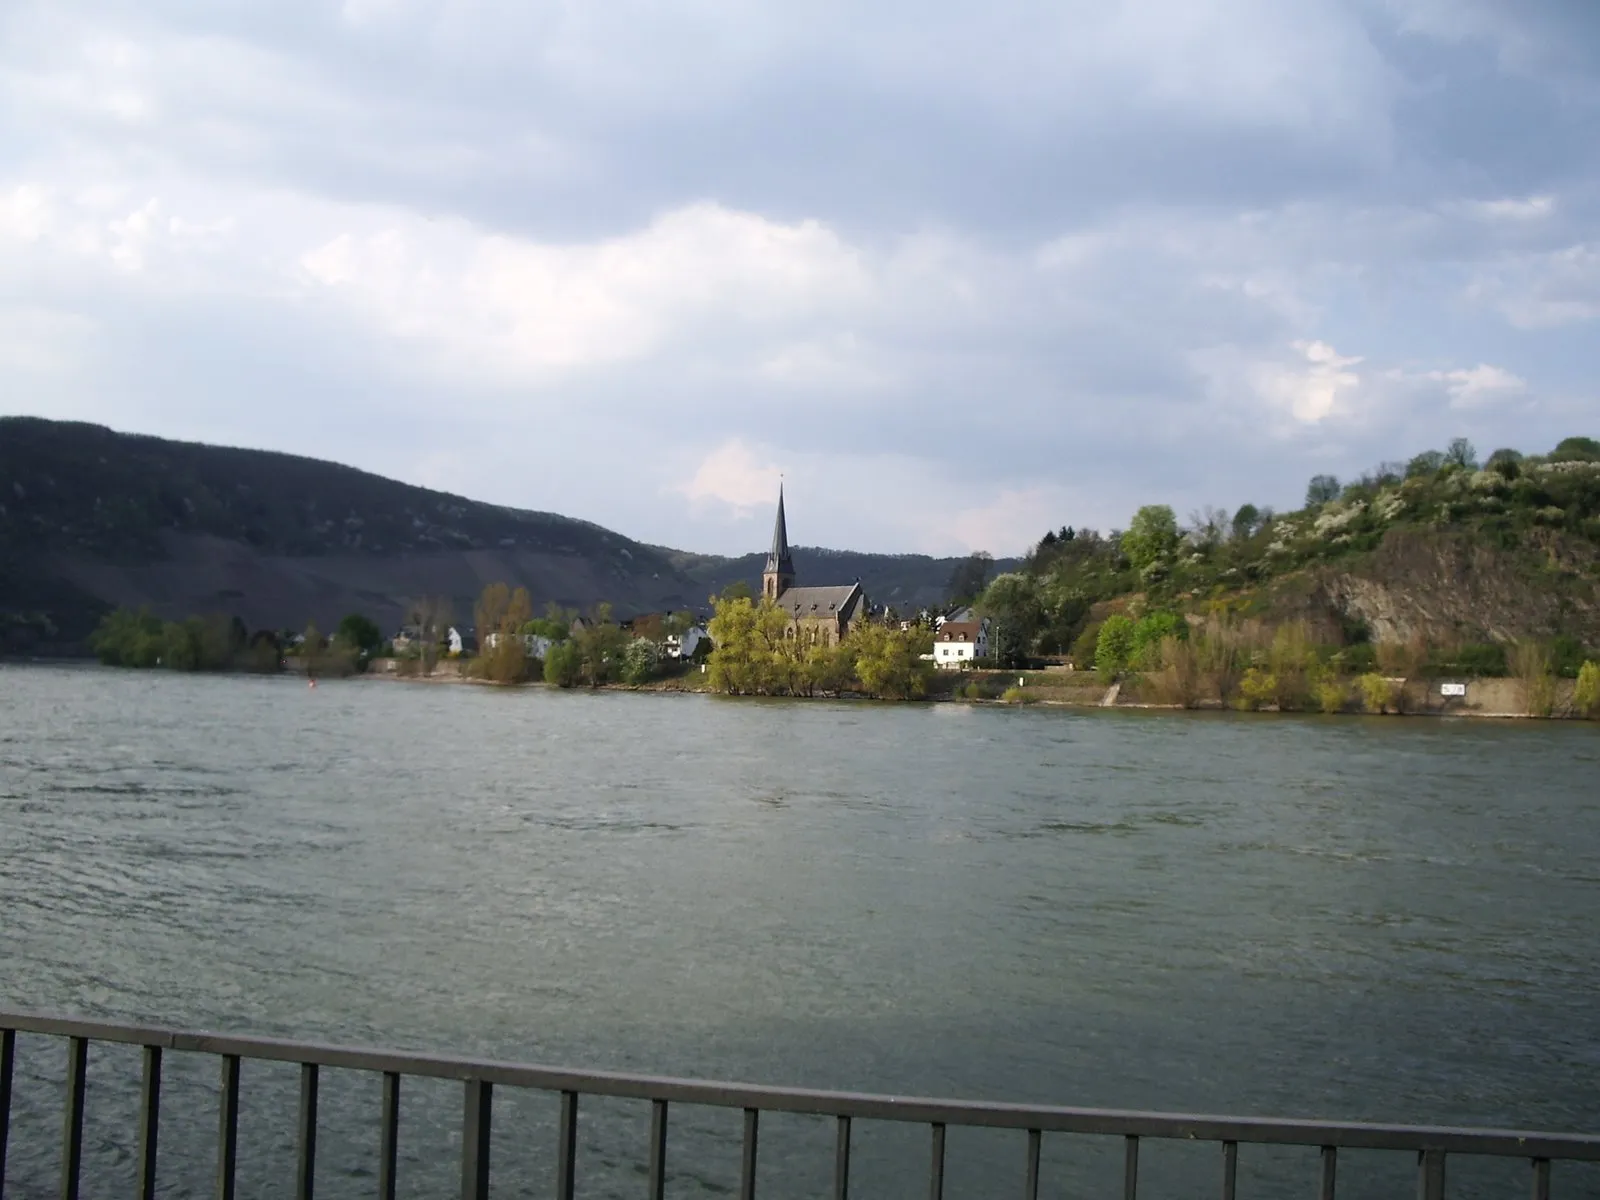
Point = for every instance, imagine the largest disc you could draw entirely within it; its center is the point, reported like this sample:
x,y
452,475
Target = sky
x,y
958,273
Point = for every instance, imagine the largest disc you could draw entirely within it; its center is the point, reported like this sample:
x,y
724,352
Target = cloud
x,y
962,273
734,475
1479,386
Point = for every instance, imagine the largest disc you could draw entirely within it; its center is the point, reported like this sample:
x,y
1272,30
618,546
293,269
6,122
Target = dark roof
x,y
778,558
821,601
958,631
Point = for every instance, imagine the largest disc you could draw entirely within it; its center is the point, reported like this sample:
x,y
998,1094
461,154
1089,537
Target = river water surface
x,y
1381,919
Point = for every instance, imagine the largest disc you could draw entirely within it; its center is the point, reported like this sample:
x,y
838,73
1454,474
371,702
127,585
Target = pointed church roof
x,y
778,558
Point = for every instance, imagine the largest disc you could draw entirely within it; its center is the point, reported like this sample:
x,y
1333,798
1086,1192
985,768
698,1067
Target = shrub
x,y
1331,693
1586,694
1379,694
1567,656
1530,663
1151,631
1016,695
1257,688
1176,677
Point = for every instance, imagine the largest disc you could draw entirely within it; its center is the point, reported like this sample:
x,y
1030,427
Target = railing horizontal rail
x,y
855,1105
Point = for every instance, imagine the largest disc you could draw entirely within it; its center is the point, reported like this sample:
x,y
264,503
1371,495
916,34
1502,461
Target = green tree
x,y
1144,646
1428,462
889,662
360,633
747,635
1012,604
1321,490
737,590
563,665
969,578
1152,536
1114,645
600,644
1576,449
1461,454
125,638
1506,462
639,661
1245,522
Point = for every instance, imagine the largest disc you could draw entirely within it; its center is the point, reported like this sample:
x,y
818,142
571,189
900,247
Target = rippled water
x,y
1370,919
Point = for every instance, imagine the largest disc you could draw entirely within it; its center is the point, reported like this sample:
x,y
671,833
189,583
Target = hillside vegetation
x,y
1442,553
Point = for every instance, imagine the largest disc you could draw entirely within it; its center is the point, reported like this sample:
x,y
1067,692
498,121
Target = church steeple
x,y
779,574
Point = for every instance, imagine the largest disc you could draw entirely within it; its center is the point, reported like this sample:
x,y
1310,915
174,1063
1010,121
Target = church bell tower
x,y
779,574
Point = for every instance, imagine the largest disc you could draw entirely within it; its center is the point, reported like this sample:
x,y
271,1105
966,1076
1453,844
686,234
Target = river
x,y
1363,918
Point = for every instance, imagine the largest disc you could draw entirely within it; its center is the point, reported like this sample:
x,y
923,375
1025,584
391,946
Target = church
x,y
817,615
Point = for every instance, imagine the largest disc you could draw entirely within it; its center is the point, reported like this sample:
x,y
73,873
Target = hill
x,y
92,519
1438,551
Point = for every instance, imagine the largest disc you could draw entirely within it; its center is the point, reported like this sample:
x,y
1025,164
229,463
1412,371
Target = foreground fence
x,y
1433,1146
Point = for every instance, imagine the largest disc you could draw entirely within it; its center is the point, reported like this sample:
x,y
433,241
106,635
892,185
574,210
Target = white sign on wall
x,y
1452,689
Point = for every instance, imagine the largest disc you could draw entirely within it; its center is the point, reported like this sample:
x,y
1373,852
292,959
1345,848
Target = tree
x,y
1321,490
639,661
1208,526
1011,602
360,633
737,590
1114,645
600,644
747,635
1245,522
1152,536
1149,632
889,662
431,616
1505,462
968,579
1461,454
1427,463
1576,449
563,666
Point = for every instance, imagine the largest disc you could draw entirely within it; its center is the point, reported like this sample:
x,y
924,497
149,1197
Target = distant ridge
x,y
92,519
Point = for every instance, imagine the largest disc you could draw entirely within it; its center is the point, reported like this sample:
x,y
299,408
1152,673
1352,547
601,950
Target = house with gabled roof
x,y
817,615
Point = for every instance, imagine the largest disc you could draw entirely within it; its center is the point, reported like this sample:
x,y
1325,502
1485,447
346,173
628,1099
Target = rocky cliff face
x,y
1454,585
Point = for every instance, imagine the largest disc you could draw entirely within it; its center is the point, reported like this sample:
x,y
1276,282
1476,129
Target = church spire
x,y
779,574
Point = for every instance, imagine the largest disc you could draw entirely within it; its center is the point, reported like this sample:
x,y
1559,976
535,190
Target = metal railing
x,y
1432,1145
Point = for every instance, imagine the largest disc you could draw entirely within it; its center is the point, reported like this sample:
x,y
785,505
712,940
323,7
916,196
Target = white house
x,y
959,642
685,644
534,645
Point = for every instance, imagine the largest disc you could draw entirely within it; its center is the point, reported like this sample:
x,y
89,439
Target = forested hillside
x,y
1440,549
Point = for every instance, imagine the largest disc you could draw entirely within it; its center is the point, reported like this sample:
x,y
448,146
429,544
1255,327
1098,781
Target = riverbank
x,y
1492,698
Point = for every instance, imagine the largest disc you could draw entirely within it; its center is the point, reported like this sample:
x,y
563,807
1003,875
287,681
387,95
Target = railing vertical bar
x,y
658,1149
1330,1168
72,1133
389,1145
1541,1179
8,1055
1430,1175
1130,1168
228,1128
567,1153
305,1177
841,1162
477,1115
1030,1185
149,1122
747,1170
936,1167
1230,1170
